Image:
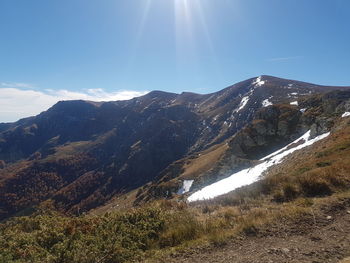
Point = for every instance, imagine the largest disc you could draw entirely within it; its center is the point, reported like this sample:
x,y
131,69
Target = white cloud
x,y
284,58
16,85
16,103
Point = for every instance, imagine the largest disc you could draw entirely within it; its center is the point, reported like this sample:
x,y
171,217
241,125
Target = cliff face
x,y
80,154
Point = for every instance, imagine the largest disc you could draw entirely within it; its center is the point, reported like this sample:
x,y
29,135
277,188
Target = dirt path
x,y
324,238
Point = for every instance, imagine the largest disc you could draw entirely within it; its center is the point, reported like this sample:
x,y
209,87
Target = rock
x,y
285,250
329,217
35,156
321,125
282,128
315,238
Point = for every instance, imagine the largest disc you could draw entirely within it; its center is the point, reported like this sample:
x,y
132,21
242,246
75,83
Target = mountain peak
x,y
160,94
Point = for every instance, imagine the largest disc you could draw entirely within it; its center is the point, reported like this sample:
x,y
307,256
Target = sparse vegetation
x,y
289,192
121,237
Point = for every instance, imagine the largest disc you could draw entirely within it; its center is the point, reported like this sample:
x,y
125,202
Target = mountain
x,y
78,155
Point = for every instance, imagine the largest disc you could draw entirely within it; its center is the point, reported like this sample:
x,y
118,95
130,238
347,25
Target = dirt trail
x,y
324,238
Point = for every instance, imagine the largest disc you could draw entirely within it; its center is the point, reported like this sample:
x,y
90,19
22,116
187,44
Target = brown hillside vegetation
x,y
84,154
299,213
278,219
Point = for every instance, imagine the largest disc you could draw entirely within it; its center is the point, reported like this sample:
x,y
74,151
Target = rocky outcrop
x,y
271,128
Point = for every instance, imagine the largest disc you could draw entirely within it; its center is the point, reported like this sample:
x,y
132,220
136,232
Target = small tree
x,y
2,164
35,156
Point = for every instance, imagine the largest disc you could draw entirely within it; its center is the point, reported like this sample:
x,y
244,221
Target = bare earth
x,y
320,239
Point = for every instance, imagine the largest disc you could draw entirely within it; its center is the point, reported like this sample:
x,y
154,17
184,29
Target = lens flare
x,y
191,33
139,33
184,34
190,24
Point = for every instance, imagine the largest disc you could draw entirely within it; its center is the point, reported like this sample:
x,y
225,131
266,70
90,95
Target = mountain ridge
x,y
115,147
155,92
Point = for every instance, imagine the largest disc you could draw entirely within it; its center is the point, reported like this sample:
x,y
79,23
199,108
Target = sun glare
x,y
184,13
191,30
191,25
183,17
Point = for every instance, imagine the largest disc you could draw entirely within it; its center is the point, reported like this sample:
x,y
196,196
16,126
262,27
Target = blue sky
x,y
110,49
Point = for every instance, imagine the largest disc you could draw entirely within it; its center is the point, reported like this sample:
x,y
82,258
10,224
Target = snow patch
x,y
215,118
294,103
186,186
346,114
258,82
303,110
266,103
253,174
244,102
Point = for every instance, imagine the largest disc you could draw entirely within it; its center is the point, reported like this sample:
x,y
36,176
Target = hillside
x,y
272,128
111,182
298,213
80,154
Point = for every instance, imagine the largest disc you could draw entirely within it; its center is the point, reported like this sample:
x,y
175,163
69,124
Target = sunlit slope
x,y
272,128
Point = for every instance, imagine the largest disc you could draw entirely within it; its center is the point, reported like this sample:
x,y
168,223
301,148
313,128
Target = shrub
x,y
2,164
278,196
249,228
290,192
217,239
315,186
113,237
207,209
231,213
180,227
323,164
302,170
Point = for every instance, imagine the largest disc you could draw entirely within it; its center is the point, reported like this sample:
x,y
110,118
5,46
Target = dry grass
x,y
297,190
316,175
201,164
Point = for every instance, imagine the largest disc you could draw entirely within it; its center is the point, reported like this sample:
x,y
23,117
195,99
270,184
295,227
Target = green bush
x,y
53,238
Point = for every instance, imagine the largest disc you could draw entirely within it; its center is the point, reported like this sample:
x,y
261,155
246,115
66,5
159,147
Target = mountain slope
x,y
290,215
272,128
80,154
